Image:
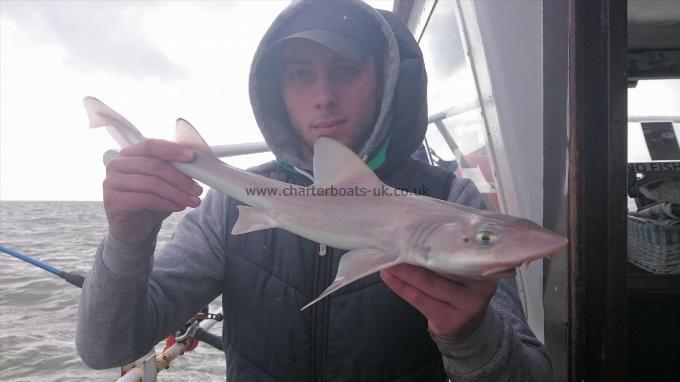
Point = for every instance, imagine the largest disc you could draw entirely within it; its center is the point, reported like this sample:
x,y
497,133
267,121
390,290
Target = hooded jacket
x,y
363,332
402,120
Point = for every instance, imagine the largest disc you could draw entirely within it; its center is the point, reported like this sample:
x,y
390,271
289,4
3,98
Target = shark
x,y
379,226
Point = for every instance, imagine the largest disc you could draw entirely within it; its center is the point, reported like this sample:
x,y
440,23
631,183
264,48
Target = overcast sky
x,y
152,61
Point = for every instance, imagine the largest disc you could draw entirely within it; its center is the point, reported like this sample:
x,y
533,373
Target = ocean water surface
x,y
38,310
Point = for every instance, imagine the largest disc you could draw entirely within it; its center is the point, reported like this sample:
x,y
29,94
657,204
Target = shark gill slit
x,y
422,233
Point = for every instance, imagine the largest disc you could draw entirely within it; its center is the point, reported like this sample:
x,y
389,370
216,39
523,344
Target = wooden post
x,y
597,122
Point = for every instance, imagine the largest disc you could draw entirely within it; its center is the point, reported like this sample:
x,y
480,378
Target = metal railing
x,y
146,368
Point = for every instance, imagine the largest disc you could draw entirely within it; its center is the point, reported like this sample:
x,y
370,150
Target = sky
x,y
152,61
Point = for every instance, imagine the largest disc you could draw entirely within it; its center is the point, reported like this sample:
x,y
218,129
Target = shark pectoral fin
x,y
355,265
100,115
250,219
335,163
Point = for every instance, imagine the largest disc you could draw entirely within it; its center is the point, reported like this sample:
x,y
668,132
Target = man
x,y
325,68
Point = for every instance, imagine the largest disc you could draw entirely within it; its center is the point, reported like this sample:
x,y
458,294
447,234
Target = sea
x,y
38,310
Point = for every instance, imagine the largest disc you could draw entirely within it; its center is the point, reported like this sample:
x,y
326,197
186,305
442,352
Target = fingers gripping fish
x,y
444,237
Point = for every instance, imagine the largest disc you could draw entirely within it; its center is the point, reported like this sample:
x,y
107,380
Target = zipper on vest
x,y
323,268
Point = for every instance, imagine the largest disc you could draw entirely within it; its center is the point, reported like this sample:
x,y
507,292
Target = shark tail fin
x,y
355,265
251,219
100,115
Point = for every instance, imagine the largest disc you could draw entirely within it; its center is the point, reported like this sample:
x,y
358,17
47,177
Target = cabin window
x,y
653,123
456,135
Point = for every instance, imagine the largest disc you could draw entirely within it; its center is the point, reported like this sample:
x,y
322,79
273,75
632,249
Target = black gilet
x,y
363,332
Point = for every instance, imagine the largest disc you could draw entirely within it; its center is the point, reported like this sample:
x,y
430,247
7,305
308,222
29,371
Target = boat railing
x,y
147,368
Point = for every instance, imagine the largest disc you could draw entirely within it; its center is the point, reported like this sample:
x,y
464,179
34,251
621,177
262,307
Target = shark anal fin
x,y
355,265
250,219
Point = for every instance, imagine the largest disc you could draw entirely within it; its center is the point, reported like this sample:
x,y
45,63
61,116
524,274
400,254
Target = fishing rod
x,y
78,280
70,277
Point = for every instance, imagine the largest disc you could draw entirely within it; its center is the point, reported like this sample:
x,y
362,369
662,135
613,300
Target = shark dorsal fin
x,y
335,163
100,115
186,134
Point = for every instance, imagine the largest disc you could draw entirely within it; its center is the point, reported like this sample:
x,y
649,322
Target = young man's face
x,y
327,95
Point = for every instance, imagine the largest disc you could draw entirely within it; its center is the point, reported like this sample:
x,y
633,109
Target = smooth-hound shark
x,y
379,228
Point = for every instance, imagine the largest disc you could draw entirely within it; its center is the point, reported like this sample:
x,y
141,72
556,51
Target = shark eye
x,y
486,238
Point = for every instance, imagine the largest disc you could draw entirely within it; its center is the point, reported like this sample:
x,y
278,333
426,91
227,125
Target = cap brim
x,y
344,46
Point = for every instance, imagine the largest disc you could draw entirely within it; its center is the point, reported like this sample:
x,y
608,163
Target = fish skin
x,y
445,237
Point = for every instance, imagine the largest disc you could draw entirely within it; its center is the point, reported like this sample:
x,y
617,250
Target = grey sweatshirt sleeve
x,y
132,299
502,347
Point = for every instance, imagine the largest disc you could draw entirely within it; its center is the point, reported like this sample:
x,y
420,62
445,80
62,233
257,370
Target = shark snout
x,y
523,242
535,241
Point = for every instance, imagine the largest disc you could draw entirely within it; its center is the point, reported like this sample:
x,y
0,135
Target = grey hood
x,y
402,120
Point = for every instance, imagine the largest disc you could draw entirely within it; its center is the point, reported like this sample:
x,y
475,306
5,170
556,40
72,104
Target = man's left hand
x,y
453,306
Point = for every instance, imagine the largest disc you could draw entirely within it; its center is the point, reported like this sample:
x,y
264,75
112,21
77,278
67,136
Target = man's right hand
x,y
141,188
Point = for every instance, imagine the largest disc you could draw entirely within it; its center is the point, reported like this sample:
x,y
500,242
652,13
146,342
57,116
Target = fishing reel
x,y
191,332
